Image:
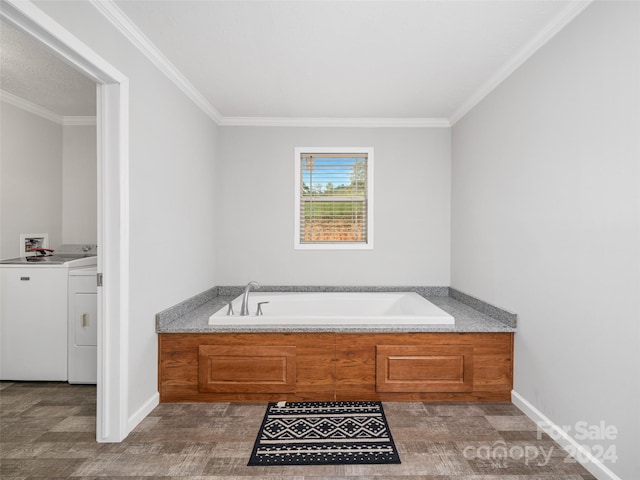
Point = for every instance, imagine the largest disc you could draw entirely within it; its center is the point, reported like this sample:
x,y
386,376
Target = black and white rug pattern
x,y
321,433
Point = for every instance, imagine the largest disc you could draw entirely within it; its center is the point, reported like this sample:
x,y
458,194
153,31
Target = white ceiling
x,y
341,59
308,59
30,72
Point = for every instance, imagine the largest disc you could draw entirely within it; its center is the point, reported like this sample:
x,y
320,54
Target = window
x,y
334,198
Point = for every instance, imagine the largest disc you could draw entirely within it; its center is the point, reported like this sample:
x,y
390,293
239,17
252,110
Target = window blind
x,y
333,198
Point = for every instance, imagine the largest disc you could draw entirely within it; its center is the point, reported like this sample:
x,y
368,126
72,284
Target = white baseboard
x,y
584,457
142,412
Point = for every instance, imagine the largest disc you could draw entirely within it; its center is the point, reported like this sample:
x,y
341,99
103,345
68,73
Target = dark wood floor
x,y
48,431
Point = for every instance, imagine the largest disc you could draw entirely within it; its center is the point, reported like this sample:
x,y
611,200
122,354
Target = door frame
x,y
112,120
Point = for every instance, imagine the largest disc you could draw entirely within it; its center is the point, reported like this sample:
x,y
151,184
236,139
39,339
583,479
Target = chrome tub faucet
x,y
244,309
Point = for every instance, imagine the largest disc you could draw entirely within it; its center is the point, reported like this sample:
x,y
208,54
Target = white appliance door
x,y
83,328
33,323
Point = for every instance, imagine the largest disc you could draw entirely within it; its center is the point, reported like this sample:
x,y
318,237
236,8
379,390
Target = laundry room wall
x,y
30,178
79,184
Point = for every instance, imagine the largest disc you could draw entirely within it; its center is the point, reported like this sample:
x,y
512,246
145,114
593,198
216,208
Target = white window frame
x,y
333,245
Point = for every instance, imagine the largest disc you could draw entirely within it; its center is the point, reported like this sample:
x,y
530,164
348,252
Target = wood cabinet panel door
x,y
424,368
247,369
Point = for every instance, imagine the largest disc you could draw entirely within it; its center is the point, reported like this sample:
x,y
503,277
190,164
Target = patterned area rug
x,y
320,433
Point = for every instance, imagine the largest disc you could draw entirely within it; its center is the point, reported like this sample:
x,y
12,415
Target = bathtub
x,y
343,309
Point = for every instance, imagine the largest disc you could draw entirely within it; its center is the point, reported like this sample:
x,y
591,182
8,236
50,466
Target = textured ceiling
x,y
29,71
380,59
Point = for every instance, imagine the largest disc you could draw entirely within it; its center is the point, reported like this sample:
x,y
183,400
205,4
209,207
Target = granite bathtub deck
x,y
467,319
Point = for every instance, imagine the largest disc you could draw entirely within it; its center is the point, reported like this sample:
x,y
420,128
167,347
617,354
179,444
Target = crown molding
x,y
123,23
335,122
79,121
558,23
27,106
30,107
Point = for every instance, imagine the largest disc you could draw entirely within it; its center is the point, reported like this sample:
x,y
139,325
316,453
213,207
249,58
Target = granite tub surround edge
x,y
192,316
181,309
508,318
235,291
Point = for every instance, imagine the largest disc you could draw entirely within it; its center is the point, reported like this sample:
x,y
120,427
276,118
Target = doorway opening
x,y
112,124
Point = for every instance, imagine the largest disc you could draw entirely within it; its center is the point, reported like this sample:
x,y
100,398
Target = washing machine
x,y
34,312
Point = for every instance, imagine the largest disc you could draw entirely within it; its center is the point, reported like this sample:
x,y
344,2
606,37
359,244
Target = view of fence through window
x,y
333,198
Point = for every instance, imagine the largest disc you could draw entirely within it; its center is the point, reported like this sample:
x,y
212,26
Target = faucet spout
x,y
244,309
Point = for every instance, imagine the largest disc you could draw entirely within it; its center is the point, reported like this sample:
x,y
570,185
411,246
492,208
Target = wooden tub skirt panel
x,y
424,368
255,369
309,366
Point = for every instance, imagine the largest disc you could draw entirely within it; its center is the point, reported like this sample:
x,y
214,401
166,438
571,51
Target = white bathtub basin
x,y
335,309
